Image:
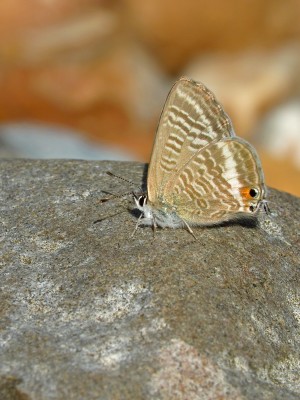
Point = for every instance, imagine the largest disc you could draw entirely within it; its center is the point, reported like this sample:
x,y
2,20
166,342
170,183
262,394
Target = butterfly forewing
x,y
190,121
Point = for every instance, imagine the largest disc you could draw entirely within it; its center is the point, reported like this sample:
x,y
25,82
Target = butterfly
x,y
200,172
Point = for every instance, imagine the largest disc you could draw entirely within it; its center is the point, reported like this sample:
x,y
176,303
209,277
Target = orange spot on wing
x,y
245,193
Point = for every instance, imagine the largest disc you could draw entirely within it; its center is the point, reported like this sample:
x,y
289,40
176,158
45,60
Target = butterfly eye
x,y
253,192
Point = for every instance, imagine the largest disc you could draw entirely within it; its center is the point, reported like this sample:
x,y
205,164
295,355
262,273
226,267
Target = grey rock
x,y
88,312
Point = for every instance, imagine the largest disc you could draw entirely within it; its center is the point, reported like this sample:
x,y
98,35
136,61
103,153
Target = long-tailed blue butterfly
x,y
200,173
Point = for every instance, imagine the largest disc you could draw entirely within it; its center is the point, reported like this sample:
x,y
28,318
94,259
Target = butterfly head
x,y
141,201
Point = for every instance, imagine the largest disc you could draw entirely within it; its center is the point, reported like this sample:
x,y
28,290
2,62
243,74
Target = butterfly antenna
x,y
123,179
114,196
108,216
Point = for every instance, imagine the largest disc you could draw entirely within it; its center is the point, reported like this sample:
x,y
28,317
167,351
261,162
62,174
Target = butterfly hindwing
x,y
223,180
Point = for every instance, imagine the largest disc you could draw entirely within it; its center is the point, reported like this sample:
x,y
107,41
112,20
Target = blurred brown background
x,y
104,68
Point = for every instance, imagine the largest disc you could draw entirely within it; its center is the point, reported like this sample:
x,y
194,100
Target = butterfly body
x,y
200,173
162,215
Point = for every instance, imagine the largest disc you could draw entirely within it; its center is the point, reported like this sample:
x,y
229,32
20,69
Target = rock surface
x,y
87,312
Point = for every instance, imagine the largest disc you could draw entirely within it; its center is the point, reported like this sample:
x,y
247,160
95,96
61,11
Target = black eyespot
x,y
252,208
253,192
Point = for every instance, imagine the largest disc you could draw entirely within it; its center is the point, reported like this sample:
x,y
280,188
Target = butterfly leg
x,y
189,229
154,226
266,207
137,225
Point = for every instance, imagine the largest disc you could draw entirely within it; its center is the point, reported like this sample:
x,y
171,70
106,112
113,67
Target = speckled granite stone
x,y
87,312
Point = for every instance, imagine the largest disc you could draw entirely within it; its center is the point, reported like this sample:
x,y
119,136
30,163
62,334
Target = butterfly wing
x,y
191,120
223,181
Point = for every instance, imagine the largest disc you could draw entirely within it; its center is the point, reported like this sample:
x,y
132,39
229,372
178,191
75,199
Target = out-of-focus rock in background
x,y
104,68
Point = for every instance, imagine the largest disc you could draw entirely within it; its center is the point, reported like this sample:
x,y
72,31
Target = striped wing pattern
x,y
191,119
214,186
198,168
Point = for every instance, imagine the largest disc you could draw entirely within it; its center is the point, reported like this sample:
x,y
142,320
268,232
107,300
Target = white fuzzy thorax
x,y
155,217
